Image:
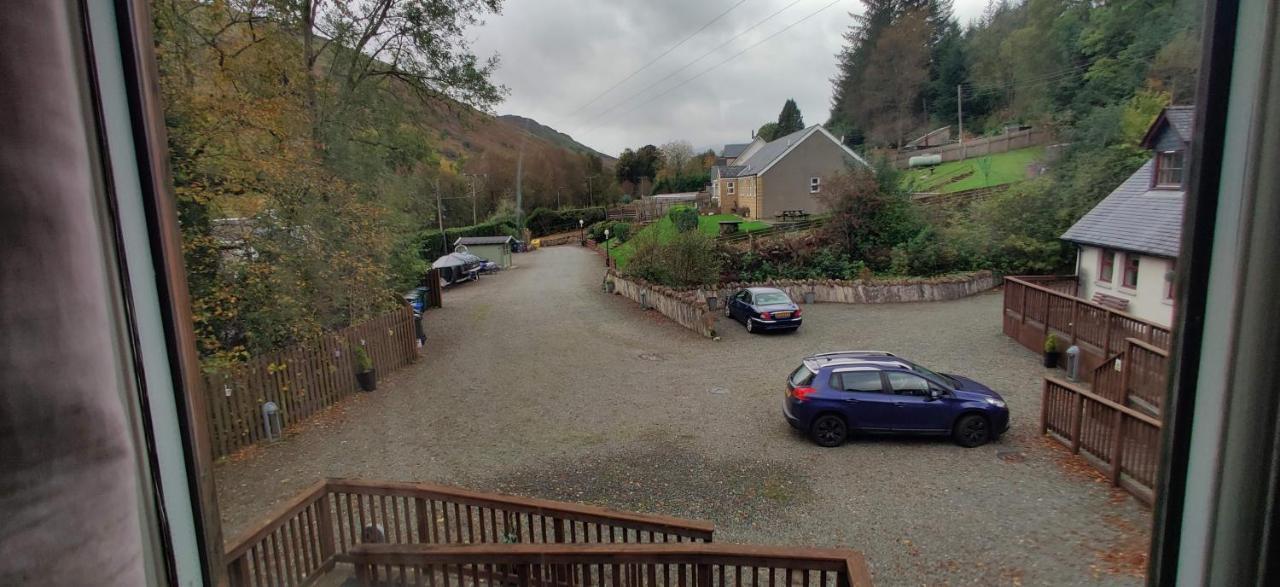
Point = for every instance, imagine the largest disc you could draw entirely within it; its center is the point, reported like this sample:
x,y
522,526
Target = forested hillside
x,y
307,149
1094,73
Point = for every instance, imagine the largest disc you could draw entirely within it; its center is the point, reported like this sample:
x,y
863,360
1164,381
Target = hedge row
x,y
544,221
432,247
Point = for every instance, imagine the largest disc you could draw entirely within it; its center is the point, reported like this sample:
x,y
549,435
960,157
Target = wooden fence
x,y
302,539
608,565
1034,307
936,199
650,210
982,147
777,229
1120,441
303,379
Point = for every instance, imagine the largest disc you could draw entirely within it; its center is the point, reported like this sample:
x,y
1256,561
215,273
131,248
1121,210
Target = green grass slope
x,y
1008,167
664,230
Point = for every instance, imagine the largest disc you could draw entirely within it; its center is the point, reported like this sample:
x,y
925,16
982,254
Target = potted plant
x,y
1051,351
366,375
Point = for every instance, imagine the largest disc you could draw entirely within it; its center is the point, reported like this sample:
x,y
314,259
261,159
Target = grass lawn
x,y
1008,167
664,230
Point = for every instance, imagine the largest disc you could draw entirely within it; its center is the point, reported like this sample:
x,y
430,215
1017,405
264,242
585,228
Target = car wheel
x,y
750,325
972,430
829,430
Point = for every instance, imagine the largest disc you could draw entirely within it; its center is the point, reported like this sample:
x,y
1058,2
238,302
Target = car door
x,y
867,403
916,410
742,305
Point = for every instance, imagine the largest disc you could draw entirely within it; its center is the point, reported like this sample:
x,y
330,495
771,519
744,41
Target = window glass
x,y
1168,281
1106,265
801,377
907,384
731,188
1131,270
773,298
862,381
1169,168
814,185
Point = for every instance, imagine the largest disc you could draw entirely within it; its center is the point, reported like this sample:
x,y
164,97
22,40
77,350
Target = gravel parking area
x,y
535,382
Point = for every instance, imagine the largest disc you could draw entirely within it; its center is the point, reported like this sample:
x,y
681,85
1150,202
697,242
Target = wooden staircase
x,y
386,533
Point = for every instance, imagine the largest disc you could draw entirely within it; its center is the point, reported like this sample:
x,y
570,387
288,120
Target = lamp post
x,y
582,232
606,247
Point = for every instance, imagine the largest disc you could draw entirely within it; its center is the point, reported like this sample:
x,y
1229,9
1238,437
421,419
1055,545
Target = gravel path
x,y
535,382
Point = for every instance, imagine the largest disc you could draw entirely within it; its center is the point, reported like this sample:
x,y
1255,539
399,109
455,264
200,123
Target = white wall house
x,y
1128,244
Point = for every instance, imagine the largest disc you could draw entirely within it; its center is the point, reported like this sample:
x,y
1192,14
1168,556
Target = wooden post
x,y
1077,421
325,525
1117,446
1075,316
1106,341
238,572
1044,408
703,578
420,505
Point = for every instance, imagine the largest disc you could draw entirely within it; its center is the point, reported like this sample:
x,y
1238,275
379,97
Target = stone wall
x,y
688,307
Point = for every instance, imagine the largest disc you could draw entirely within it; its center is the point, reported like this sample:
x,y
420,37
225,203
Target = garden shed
x,y
493,248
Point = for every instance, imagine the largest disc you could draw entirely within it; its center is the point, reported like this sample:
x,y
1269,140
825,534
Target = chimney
x,y
753,133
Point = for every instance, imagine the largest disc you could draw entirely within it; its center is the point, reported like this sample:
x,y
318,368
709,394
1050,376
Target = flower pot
x,y
368,380
1051,360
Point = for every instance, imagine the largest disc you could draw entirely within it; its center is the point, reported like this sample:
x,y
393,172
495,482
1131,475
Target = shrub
x,y
595,231
364,363
684,218
544,221
923,255
430,246
688,259
620,231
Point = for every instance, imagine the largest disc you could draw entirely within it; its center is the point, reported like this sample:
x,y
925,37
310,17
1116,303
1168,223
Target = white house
x,y
1128,243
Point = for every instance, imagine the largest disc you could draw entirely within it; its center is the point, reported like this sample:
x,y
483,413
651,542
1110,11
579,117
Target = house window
x,y
1130,271
815,184
1106,265
1168,281
1169,169
730,185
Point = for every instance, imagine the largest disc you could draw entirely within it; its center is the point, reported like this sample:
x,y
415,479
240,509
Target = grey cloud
x,y
558,54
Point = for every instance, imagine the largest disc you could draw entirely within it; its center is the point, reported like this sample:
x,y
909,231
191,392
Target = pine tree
x,y
853,59
789,120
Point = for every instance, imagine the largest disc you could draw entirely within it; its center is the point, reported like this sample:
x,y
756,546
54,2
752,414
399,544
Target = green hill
x,y
1008,167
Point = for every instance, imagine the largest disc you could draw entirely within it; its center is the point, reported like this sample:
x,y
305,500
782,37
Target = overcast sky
x,y
559,54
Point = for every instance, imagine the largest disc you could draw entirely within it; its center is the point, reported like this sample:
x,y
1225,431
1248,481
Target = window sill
x,y
1103,284
1129,291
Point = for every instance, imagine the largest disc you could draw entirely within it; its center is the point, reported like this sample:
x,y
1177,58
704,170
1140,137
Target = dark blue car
x,y
763,308
832,394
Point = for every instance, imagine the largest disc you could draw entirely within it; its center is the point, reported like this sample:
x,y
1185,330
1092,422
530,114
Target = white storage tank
x,y
924,160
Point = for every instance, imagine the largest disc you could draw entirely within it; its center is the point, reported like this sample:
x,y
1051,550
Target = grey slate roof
x,y
769,152
731,151
726,171
1134,217
482,240
1182,119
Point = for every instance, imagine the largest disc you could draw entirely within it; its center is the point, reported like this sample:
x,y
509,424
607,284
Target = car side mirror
x,y
934,394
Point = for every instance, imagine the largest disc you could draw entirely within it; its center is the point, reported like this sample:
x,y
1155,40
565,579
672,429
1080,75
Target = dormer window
x,y
1169,169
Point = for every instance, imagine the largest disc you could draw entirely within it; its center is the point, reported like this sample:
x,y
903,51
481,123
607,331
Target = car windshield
x,y
772,297
930,373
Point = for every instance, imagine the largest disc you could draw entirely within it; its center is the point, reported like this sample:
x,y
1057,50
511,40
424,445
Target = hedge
x,y
544,221
431,247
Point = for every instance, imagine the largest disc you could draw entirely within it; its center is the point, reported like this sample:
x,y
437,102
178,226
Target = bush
x,y
684,218
923,255
595,231
544,221
620,231
688,259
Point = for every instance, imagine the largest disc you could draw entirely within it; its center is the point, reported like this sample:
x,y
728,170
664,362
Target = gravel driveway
x,y
535,382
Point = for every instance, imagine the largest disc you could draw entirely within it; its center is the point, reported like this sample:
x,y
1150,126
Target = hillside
x,y
553,135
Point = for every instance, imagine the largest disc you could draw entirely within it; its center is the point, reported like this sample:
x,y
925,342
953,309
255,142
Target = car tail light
x,y
797,313
766,315
800,393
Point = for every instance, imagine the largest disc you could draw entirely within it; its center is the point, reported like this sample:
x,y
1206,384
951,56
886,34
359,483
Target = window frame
x,y
930,385
1106,265
1133,261
1170,285
729,188
815,185
1160,168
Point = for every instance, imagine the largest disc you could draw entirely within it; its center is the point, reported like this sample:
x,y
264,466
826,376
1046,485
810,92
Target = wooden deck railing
x,y
302,539
777,229
631,565
1036,306
1121,441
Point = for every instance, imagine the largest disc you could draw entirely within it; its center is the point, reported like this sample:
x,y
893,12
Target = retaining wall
x,y
689,308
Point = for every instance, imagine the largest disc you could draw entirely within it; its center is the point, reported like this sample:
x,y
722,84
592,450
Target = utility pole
x,y
590,197
960,118
473,177
557,197
440,218
520,189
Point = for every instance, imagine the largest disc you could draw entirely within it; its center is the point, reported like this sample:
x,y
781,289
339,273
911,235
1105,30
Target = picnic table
x,y
791,215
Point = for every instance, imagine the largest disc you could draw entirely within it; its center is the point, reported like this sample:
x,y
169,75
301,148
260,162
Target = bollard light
x,y
272,424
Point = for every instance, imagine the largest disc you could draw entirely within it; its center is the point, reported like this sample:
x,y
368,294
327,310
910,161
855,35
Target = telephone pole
x,y
473,177
590,197
440,218
960,118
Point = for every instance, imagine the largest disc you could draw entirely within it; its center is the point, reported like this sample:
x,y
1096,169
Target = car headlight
x,y
999,403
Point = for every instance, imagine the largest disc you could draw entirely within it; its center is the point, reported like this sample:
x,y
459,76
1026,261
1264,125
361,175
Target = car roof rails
x,y
852,354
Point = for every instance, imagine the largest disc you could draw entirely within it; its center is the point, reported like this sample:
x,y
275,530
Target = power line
x,y
726,60
687,65
655,59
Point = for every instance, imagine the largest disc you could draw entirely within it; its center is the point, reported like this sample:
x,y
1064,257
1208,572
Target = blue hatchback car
x,y
832,394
